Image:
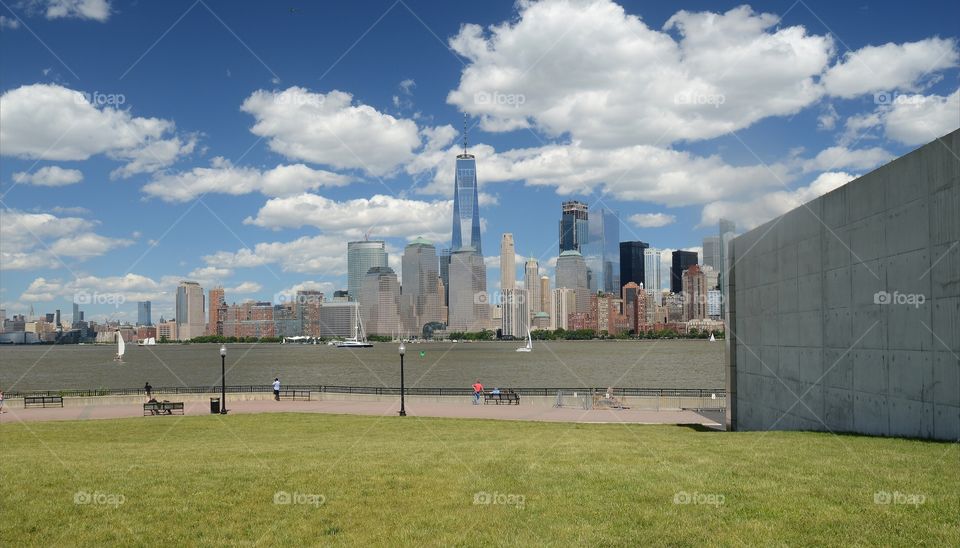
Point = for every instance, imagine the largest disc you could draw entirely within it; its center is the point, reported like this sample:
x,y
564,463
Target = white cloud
x,y
97,10
839,157
245,288
329,129
889,67
642,173
128,289
652,220
49,176
288,294
378,216
224,177
609,80
321,254
752,213
8,23
43,240
209,275
153,156
51,122
919,119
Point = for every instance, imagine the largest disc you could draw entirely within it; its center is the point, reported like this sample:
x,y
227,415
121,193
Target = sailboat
x,y
529,347
121,347
149,341
712,338
358,341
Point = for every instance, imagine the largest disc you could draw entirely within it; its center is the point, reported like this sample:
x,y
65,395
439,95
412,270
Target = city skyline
x,y
239,187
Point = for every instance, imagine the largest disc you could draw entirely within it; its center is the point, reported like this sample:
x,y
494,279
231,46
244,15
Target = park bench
x,y
509,398
42,401
163,408
303,395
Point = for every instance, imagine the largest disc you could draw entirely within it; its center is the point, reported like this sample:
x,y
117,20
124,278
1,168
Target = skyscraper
x,y
531,282
632,263
380,302
468,308
564,304
190,311
727,232
419,300
466,205
651,271
75,318
143,313
217,302
574,226
361,257
572,274
508,262
681,260
545,299
602,253
694,294
711,252
445,274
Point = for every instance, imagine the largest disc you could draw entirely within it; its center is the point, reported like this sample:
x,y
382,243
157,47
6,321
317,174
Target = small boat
x,y
121,348
359,340
529,346
149,341
712,338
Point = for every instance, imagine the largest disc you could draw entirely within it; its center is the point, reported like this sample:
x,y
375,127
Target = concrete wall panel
x,y
853,303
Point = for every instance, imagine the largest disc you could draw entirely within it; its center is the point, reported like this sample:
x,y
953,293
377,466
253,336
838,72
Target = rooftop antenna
x,y
464,132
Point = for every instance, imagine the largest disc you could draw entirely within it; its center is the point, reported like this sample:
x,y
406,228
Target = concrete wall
x,y
812,346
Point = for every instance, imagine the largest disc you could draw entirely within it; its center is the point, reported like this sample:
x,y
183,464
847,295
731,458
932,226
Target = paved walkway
x,y
414,408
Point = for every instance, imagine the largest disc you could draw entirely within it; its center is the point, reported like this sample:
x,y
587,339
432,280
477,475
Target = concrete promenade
x,y
415,407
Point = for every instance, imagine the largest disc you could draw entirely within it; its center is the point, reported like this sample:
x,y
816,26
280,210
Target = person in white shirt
x,y
276,389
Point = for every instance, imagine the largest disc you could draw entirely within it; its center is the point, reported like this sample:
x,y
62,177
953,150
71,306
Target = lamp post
x,y
403,349
223,379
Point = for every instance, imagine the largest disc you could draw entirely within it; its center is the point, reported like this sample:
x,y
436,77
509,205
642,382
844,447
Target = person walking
x,y
276,388
148,389
477,392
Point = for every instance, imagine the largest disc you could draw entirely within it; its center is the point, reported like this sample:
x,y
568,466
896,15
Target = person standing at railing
x,y
477,392
1,402
276,388
148,389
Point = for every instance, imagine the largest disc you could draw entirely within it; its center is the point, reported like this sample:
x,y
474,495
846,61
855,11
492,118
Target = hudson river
x,y
643,364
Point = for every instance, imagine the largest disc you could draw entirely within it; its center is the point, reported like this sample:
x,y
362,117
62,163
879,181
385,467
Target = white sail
x,y
712,338
529,346
121,347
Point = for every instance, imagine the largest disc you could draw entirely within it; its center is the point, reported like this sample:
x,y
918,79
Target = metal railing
x,y
661,394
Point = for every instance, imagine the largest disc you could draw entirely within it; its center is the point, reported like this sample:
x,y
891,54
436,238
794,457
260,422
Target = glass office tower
x,y
466,206
603,251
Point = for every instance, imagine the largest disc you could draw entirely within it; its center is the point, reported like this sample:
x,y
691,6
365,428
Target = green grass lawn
x,y
386,480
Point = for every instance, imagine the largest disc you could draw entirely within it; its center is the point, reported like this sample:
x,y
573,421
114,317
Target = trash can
x,y
214,406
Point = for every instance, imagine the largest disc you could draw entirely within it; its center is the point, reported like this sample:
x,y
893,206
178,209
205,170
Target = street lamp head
x,y
403,349
223,350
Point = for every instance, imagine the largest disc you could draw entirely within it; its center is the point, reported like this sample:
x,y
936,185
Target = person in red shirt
x,y
477,392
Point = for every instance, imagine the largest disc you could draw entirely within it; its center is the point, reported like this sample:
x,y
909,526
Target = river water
x,y
642,364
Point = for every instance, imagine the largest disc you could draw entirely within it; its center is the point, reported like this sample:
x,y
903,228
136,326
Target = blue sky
x,y
243,144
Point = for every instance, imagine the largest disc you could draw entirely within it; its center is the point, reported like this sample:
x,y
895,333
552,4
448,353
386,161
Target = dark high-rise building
x,y
631,262
574,226
445,273
50,317
143,313
681,260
